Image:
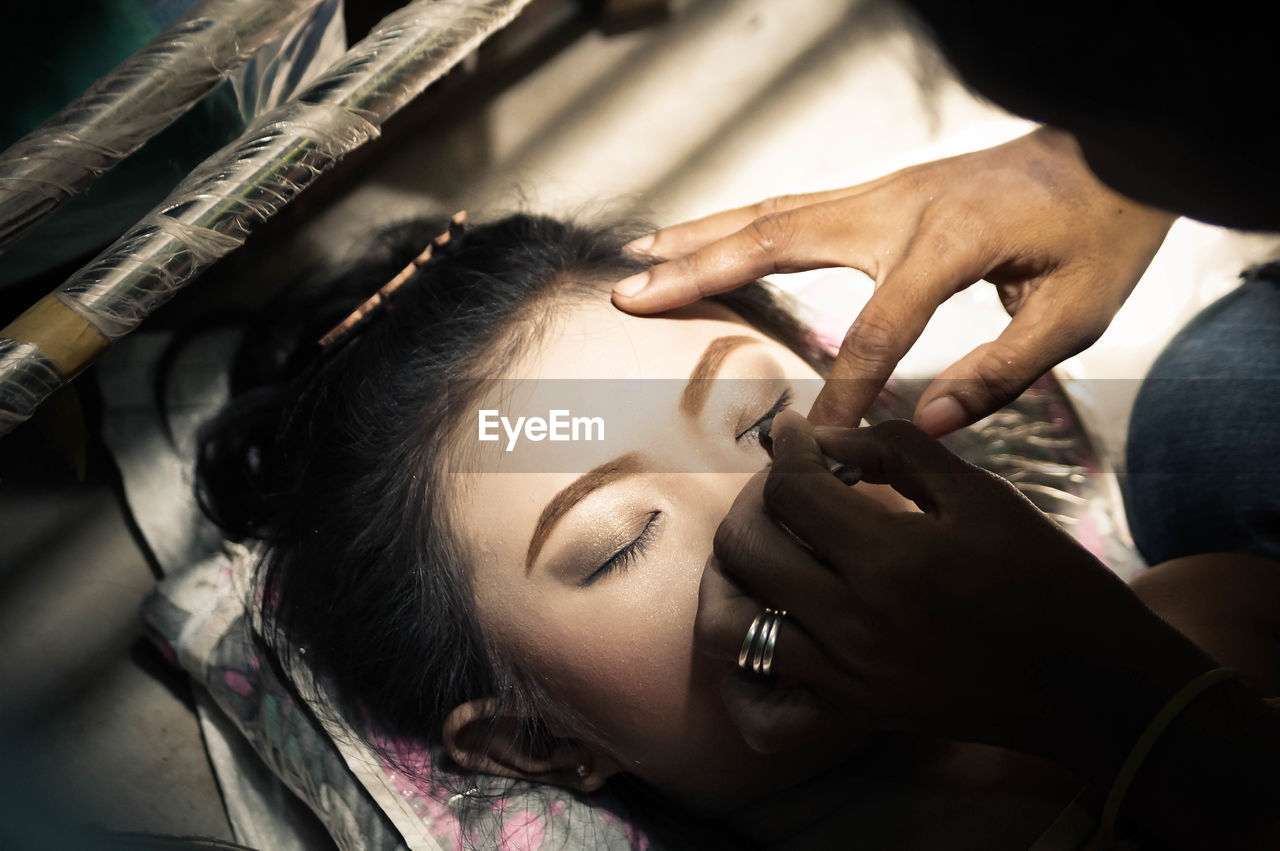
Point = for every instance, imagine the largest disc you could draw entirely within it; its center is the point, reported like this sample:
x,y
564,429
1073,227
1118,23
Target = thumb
x,y
888,326
995,373
898,454
774,718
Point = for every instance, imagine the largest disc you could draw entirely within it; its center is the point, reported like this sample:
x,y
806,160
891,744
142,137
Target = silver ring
x,y
770,623
770,642
756,654
752,631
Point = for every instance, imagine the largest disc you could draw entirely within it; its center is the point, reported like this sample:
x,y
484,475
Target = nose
x,y
715,478
716,493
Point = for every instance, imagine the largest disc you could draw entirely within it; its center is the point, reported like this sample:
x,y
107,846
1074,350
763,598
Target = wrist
x,y
1109,701
1066,149
1210,776
1167,717
1059,141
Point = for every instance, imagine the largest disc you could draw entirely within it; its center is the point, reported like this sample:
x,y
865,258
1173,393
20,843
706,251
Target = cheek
x,y
620,653
624,654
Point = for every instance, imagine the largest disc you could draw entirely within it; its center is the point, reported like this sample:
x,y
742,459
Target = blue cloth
x,y
1204,440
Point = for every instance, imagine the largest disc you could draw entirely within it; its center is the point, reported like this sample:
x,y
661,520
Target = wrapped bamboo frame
x,y
216,207
139,98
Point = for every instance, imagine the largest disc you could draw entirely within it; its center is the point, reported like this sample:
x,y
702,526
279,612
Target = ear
x,y
481,739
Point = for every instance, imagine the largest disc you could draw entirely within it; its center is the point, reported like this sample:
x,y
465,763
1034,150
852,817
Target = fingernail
x,y
639,246
941,416
629,287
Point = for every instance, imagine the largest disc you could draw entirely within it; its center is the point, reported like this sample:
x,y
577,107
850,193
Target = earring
x,y
583,769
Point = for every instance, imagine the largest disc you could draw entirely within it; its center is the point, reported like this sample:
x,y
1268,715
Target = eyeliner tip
x,y
849,474
766,436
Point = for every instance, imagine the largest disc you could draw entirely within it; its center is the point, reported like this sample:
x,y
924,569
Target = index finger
x,y
684,238
768,560
823,512
809,237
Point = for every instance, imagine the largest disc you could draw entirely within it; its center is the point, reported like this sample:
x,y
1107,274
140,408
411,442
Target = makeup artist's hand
x,y
976,620
1063,250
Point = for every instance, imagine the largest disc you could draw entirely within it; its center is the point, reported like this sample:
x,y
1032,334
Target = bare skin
x,y
1063,250
973,796
1022,641
620,651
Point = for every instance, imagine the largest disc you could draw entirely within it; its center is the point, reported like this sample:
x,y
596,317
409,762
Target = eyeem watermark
x,y
558,426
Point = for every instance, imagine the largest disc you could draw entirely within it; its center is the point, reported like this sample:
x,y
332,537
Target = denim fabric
x,y
1203,453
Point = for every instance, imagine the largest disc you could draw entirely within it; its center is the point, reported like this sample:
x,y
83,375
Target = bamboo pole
x,y
126,107
216,207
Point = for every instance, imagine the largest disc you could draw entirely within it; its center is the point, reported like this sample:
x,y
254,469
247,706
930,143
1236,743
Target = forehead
x,y
595,340
592,360
586,355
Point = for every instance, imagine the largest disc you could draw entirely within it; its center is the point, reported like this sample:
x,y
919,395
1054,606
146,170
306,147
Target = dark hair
x,y
328,457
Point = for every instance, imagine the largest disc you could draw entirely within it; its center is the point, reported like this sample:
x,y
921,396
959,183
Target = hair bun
x,y
238,462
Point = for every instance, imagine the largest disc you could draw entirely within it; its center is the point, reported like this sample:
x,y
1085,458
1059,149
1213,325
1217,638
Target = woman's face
x,y
589,552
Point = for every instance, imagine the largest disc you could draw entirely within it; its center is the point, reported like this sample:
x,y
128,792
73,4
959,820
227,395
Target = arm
x,y
1063,250
1229,605
977,620
1211,780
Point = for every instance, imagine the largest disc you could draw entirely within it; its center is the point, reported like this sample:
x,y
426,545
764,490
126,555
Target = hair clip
x,y
456,223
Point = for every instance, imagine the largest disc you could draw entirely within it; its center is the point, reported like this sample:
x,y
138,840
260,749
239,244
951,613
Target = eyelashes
x,y
628,555
752,434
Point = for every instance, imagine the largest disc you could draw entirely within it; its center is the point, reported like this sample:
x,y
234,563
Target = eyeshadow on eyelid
x,y
598,477
603,538
608,540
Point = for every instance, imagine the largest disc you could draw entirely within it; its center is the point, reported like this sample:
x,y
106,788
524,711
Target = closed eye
x,y
752,434
628,555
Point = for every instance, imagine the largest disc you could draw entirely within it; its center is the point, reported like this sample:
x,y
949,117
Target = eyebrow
x,y
696,392
692,400
561,503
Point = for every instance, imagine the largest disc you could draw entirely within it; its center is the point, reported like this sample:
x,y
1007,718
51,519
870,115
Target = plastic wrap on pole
x,y
212,212
125,108
279,155
219,203
27,378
